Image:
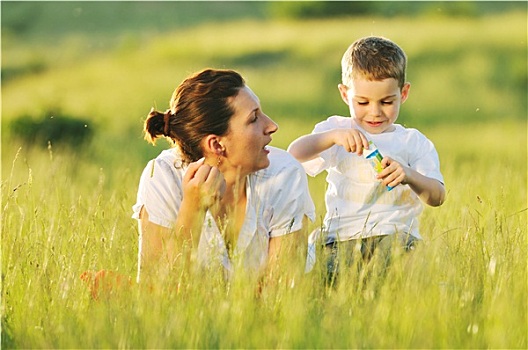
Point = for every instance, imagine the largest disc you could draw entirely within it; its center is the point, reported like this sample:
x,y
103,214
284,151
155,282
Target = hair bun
x,y
166,120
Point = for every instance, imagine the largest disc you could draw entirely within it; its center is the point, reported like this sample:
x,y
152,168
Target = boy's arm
x,y
429,190
308,147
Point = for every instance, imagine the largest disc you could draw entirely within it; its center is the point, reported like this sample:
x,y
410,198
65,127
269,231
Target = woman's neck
x,y
235,190
232,211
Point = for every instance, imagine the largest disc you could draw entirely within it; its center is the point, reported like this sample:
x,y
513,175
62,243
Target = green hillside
x,y
462,70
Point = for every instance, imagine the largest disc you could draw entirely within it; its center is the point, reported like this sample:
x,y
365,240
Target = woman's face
x,y
249,133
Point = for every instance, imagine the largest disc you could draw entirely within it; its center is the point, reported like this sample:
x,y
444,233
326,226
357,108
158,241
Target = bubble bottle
x,y
373,155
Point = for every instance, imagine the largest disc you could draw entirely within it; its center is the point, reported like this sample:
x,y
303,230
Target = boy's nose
x,y
375,109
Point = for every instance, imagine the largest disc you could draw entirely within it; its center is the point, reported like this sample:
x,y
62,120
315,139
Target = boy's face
x,y
374,104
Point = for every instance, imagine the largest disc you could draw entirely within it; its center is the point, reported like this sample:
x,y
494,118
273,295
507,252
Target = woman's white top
x,y
277,201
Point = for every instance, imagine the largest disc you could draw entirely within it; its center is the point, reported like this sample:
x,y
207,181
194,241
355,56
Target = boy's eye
x,y
255,117
362,103
386,102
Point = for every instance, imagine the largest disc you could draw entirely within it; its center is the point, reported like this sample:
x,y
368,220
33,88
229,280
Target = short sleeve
x,y
159,192
427,161
290,199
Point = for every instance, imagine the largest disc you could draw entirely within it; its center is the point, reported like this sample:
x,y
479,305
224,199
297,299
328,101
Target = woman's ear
x,y
213,145
343,91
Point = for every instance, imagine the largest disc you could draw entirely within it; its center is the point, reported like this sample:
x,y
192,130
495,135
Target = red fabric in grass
x,y
104,283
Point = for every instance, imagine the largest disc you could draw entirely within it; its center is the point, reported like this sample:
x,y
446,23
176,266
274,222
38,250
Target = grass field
x,y
65,211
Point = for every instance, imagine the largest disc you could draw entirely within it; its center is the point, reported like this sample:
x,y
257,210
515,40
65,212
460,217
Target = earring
x,y
220,157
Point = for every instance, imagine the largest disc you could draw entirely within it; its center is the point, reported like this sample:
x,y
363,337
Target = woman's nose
x,y
271,127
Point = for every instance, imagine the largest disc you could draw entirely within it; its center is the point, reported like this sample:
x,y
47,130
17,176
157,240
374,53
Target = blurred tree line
x,y
30,17
325,9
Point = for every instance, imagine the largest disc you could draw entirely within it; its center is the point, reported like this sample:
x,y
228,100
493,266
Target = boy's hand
x,y
430,190
352,140
393,173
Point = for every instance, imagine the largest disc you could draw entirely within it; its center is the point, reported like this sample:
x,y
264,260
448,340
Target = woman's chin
x,y
264,164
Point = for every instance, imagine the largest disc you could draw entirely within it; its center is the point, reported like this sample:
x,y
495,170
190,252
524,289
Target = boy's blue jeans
x,y
362,251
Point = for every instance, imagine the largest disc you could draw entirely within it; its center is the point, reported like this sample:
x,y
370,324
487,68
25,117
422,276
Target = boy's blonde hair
x,y
373,58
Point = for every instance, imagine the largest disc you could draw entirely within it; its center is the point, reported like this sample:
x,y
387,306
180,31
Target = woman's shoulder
x,y
280,160
167,163
283,176
170,157
281,163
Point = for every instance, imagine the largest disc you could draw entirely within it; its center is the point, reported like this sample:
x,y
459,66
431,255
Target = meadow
x,y
66,210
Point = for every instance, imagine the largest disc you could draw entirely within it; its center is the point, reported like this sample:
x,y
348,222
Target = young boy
x,y
366,210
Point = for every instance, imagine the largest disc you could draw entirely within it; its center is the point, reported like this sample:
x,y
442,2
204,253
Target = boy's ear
x,y
405,92
343,91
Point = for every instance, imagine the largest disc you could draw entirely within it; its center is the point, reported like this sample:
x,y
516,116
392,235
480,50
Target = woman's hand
x,y
203,185
164,248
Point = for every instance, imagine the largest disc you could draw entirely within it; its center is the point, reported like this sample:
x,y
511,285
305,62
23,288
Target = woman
x,y
221,193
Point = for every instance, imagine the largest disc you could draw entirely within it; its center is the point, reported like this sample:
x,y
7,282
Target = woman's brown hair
x,y
199,106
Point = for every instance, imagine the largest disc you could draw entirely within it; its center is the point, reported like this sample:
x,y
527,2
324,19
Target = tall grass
x,y
465,287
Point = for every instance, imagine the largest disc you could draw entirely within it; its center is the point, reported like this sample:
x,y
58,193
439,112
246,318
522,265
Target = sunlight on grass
x,y
465,285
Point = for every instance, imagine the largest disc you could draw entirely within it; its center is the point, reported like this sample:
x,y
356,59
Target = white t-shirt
x,y
358,205
277,201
